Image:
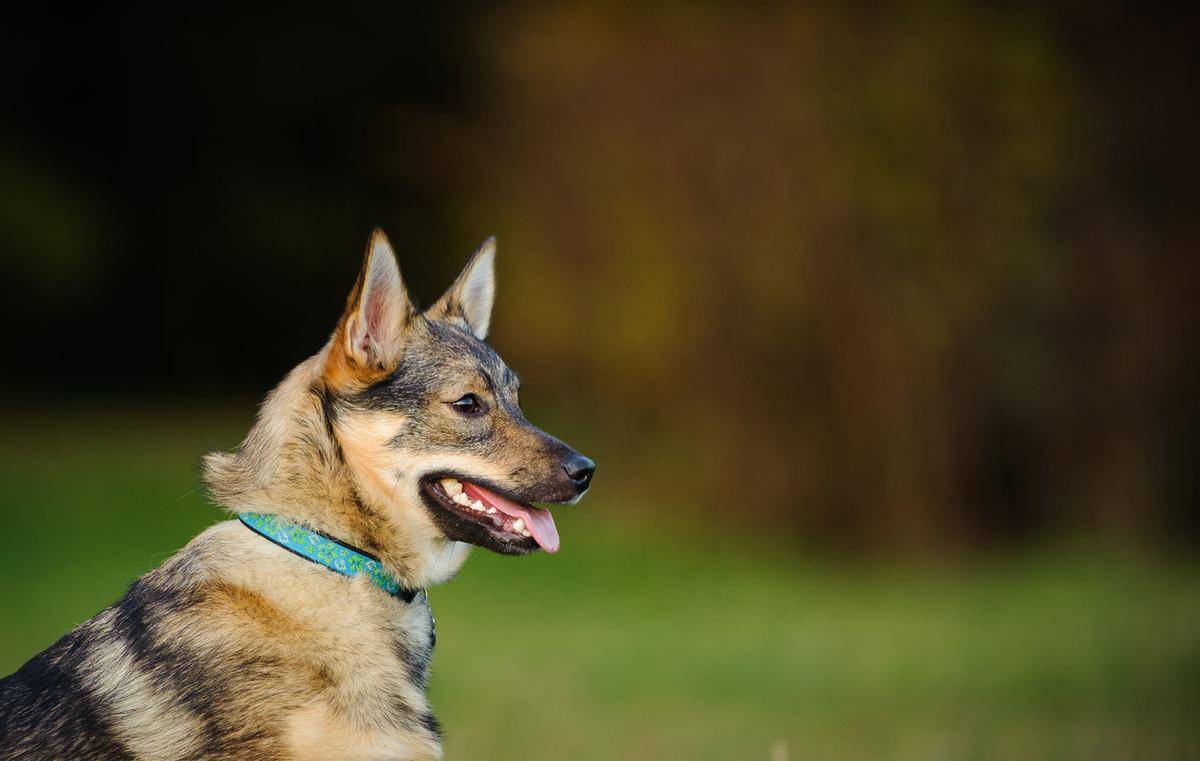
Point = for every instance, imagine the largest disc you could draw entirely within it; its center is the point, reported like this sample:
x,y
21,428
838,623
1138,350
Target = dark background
x,y
892,290
187,191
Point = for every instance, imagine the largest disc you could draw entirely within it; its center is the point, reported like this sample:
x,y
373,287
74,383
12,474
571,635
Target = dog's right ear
x,y
369,340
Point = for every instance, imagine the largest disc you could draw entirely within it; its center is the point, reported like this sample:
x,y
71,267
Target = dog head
x,y
428,416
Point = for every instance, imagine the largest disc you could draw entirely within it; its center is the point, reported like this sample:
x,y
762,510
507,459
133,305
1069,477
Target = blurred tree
x,y
907,276
839,270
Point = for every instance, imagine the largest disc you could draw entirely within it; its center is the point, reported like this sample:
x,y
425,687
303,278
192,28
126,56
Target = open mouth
x,y
510,522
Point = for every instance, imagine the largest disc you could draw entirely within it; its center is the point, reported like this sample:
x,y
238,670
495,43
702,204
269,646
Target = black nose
x,y
579,469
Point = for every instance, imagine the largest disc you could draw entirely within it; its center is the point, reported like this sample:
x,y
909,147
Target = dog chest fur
x,y
235,648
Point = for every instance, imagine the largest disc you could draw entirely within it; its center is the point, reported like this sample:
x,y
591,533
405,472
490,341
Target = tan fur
x,y
287,462
150,726
334,640
319,733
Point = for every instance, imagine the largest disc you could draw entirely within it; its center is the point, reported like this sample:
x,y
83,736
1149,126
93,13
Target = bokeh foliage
x,y
868,278
908,277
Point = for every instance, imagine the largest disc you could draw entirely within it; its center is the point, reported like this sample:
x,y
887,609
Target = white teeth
x,y
491,511
518,525
452,486
525,532
477,506
462,499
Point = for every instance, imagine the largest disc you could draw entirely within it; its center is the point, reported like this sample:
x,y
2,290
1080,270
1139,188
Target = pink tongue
x,y
539,522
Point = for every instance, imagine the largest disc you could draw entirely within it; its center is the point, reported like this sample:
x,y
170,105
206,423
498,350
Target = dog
x,y
300,629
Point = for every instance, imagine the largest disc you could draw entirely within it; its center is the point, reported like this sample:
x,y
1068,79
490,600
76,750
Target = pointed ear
x,y
370,337
470,298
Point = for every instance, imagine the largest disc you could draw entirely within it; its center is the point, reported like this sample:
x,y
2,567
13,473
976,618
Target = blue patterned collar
x,y
325,550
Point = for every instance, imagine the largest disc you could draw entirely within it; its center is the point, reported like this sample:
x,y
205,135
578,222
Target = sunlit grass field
x,y
636,642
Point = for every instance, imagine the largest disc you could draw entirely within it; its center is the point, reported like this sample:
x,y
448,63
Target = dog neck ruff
x,y
327,551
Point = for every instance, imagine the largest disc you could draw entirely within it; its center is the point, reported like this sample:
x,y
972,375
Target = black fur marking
x,y
134,616
430,722
48,711
202,683
329,417
371,520
416,662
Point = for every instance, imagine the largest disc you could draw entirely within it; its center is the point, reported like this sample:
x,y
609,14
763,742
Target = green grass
x,y
629,644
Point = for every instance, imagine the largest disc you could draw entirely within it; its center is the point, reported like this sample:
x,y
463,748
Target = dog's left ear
x,y
471,297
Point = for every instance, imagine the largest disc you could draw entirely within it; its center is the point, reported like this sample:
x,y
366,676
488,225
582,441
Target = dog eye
x,y
469,404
